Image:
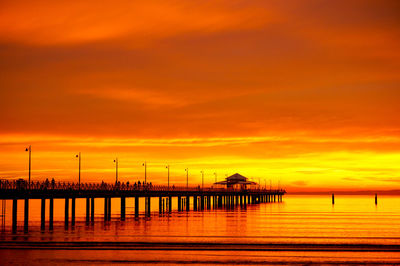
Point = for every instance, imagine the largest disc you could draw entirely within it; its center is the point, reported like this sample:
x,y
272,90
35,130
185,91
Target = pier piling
x,y
179,203
43,214
26,215
109,209
92,209
72,211
123,202
51,213
136,206
87,210
14,215
66,218
105,208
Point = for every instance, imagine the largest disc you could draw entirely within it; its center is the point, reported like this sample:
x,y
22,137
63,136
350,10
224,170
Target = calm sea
x,y
302,229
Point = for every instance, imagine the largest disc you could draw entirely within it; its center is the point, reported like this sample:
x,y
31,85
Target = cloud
x,y
62,22
300,183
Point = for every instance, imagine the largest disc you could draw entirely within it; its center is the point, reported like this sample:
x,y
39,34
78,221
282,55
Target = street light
x,y
79,171
29,149
187,177
202,178
116,170
215,174
168,174
145,171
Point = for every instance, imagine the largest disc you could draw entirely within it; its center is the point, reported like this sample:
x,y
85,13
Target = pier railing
x,y
68,186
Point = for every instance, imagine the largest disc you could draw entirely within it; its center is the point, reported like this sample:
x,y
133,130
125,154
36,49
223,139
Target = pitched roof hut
x,y
236,181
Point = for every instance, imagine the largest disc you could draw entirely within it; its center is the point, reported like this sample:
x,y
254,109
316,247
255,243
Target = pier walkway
x,y
201,198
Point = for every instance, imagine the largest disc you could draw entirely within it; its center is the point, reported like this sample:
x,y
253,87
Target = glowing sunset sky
x,y
305,92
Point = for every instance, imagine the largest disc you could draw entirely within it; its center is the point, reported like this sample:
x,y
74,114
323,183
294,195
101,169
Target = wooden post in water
x,y
187,203
136,206
51,214
179,204
105,208
87,210
26,215
333,198
66,213
123,201
160,204
376,199
43,214
195,203
169,204
73,211
14,215
109,209
148,206
92,209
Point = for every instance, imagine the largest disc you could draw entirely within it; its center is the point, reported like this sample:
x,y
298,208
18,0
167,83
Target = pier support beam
x,y
73,211
160,207
92,209
136,206
14,215
170,204
26,215
105,208
195,203
376,199
66,214
187,203
179,204
43,214
202,202
333,198
51,213
109,209
87,210
123,202
148,206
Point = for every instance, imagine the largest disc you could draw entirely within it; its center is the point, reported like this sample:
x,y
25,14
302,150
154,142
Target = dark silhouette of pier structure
x,y
202,198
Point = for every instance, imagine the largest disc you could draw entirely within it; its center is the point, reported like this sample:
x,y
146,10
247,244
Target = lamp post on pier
x,y
29,149
168,174
145,171
215,174
79,170
116,170
187,177
202,179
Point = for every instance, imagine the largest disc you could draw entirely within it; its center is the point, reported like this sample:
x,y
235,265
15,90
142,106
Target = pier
x,y
201,198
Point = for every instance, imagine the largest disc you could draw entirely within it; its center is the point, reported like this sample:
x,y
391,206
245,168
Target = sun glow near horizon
x,y
285,162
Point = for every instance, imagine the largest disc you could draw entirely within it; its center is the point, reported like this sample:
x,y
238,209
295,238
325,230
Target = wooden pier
x,y
206,198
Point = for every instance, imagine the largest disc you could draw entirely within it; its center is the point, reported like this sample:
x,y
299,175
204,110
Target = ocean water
x,y
301,229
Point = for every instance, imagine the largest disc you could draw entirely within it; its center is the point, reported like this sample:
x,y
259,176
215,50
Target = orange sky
x,y
305,93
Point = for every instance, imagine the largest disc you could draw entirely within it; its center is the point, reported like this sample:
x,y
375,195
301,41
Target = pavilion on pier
x,y
236,181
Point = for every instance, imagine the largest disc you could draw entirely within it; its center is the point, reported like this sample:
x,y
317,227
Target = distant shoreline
x,y
341,192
